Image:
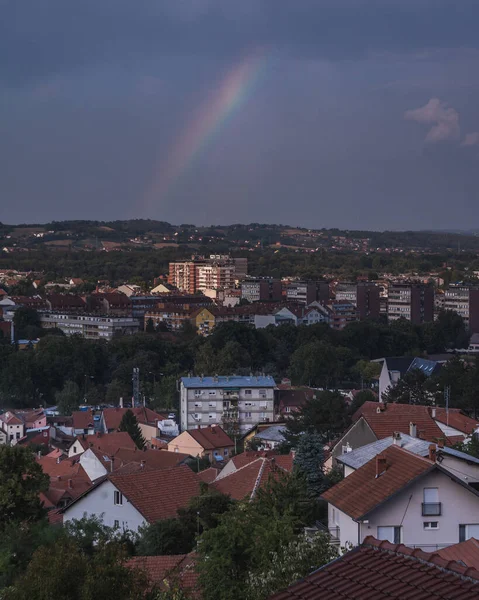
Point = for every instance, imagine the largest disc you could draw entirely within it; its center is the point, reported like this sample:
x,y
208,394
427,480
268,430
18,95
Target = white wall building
x,y
217,400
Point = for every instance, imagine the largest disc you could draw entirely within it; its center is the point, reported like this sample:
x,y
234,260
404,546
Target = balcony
x,y
431,509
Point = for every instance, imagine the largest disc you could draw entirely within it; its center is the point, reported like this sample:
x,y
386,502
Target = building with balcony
x,y
464,300
307,292
218,271
411,301
261,290
363,295
235,403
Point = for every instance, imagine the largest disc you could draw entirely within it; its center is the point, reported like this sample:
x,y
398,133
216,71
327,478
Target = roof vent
x,y
413,429
381,465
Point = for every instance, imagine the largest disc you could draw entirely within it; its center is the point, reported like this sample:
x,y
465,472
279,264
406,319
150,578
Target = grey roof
x,y
272,434
398,363
428,367
228,382
360,456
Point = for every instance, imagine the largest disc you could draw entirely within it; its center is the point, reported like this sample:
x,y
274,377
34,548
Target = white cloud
x,y
471,139
442,119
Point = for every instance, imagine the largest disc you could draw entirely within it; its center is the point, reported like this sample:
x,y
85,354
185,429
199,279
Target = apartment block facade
x,y
261,290
218,271
464,300
307,292
235,403
363,295
411,301
92,327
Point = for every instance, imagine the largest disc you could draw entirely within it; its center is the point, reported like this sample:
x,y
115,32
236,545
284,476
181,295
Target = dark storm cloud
x,y
41,38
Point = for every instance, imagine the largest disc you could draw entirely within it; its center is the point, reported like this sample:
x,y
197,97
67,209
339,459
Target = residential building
x,y
211,442
13,427
377,420
106,443
364,295
271,437
83,422
90,326
403,498
341,313
235,403
65,303
200,273
134,500
464,300
290,400
411,301
174,317
245,481
98,463
261,290
307,292
382,570
147,420
464,466
393,368
68,480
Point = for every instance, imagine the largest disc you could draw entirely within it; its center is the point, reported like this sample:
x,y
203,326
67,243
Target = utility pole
x,y
136,387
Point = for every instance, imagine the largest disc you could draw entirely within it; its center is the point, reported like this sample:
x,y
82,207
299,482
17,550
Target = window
x,y
431,525
212,416
247,392
118,498
212,404
225,452
431,505
212,392
262,415
116,524
287,409
197,404
391,534
262,393
468,531
74,449
247,415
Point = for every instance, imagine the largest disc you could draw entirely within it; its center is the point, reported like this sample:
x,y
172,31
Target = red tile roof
x,y
108,443
457,420
82,419
361,491
285,461
68,479
112,416
397,417
466,552
208,475
211,437
179,568
153,459
160,493
244,482
9,418
381,571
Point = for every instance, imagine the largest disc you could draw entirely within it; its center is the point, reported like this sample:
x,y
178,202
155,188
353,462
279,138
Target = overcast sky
x,y
323,113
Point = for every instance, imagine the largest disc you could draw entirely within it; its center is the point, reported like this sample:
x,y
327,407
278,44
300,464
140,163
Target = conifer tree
x,y
129,424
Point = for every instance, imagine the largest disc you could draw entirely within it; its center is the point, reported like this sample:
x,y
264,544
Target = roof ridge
x,y
258,479
421,556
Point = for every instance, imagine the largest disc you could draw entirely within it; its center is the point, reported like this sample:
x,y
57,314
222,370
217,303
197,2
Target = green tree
x,y
26,323
129,424
150,327
21,481
309,462
415,387
170,536
290,563
69,398
325,414
360,398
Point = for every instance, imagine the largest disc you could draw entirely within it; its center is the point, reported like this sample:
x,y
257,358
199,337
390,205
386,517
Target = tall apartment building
x,y
200,273
235,403
464,300
411,301
307,292
363,295
261,290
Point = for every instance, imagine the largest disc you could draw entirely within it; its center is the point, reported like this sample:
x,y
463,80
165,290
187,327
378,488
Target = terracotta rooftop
x,y
466,553
211,438
112,416
153,459
208,475
82,419
109,443
361,491
285,461
68,479
160,493
381,571
9,418
457,420
385,419
244,482
179,568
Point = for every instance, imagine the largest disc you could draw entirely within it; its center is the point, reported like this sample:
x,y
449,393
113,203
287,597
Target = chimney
x,y
98,434
432,452
142,464
293,454
121,402
380,465
397,438
70,483
58,460
433,412
440,443
412,429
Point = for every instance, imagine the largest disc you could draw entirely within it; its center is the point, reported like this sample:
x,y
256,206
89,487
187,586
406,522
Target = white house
x,y
13,428
130,501
404,498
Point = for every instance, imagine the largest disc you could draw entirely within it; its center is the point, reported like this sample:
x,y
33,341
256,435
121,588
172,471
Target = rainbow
x,y
232,92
